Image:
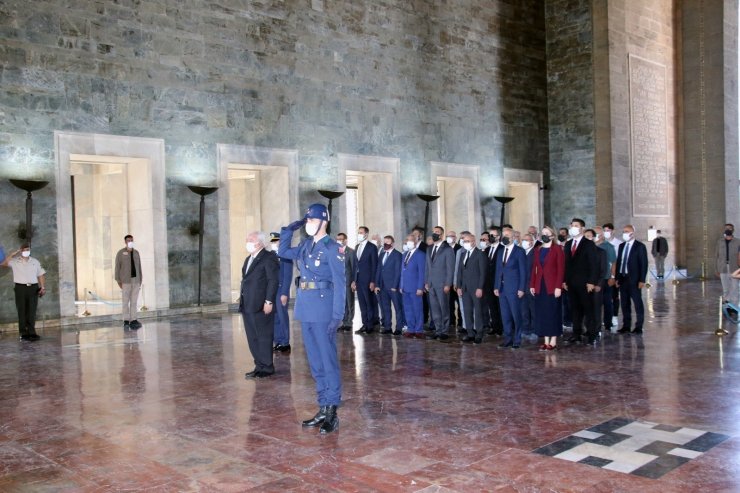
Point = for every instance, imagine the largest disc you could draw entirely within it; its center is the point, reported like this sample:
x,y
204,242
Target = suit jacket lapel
x,y
254,261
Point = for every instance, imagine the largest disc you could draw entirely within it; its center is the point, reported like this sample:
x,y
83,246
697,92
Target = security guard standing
x,y
319,306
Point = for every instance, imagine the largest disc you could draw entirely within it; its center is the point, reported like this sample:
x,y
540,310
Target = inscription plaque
x,y
648,137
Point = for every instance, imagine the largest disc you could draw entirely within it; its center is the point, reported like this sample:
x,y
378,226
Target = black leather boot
x,y
317,419
331,420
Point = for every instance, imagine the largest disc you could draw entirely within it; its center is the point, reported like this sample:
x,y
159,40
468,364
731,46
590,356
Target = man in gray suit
x,y
350,264
438,278
471,279
727,260
456,281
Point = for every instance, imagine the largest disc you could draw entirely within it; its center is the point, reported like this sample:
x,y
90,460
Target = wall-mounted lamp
x,y
202,191
503,201
29,186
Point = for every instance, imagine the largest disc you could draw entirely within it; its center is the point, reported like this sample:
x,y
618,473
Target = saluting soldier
x,y
319,306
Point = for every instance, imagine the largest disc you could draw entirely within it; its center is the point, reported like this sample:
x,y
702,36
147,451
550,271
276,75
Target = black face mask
x,y
435,237
729,232
561,238
505,240
495,239
545,239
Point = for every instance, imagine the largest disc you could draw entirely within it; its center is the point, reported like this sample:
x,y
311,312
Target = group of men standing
x,y
485,285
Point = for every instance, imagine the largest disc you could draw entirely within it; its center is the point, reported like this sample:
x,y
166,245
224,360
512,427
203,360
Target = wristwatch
x,y
268,302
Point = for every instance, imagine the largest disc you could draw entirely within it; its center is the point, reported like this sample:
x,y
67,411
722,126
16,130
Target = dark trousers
x,y
567,315
511,314
608,304
368,305
580,307
593,318
473,313
455,312
388,298
349,306
630,294
494,313
615,301
259,328
527,303
26,301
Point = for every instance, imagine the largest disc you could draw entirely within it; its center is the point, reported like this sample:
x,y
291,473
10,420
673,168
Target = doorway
x,y
368,196
525,186
257,195
455,205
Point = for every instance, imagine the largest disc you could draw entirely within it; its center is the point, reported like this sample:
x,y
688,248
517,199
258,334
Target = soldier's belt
x,y
316,285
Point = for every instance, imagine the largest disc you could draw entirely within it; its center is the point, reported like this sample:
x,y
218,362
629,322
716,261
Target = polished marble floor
x,y
167,408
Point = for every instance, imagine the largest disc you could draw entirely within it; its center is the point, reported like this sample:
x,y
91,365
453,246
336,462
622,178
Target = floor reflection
x,y
167,407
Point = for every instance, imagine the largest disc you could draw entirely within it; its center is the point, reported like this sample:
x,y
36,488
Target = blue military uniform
x,y
281,336
318,304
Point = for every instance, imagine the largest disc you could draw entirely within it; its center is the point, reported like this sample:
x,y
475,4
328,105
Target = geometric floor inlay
x,y
636,447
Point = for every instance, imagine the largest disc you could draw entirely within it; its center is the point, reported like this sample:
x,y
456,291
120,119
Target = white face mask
x,y
374,242
360,238
130,244
405,247
312,229
626,236
251,247
574,231
608,235
275,246
468,246
450,240
525,244
482,245
410,245
26,253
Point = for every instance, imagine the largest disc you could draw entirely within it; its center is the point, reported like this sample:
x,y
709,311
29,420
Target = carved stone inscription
x,y
649,155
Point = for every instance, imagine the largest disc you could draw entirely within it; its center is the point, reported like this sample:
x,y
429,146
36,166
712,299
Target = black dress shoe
x,y
135,325
623,330
505,345
397,332
432,337
386,331
515,346
478,341
275,347
30,337
284,348
361,330
370,330
574,340
317,419
263,374
250,374
443,338
331,421
637,331
468,339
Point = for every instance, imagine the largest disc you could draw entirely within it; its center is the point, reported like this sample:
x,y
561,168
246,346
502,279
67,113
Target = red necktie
x,y
573,248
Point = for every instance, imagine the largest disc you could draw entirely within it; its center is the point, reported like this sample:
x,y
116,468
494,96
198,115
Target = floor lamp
x,y
328,194
503,201
428,199
202,191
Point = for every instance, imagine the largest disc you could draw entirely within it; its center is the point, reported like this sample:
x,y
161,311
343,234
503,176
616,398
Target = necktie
x,y
385,257
434,251
359,250
249,264
573,248
491,251
467,256
626,255
506,255
408,257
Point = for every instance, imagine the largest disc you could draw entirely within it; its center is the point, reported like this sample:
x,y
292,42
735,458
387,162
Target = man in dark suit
x,y
632,265
439,273
471,279
412,288
582,275
493,301
367,266
387,286
258,290
660,252
509,285
455,312
350,265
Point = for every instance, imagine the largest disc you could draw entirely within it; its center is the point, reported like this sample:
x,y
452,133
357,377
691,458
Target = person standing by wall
x,y
128,276
282,319
660,252
30,284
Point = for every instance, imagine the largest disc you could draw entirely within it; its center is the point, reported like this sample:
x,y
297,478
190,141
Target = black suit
x,y
455,313
629,280
259,284
471,275
581,268
493,316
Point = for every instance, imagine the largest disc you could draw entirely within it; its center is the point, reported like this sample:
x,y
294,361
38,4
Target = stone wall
x,y
570,99
456,81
